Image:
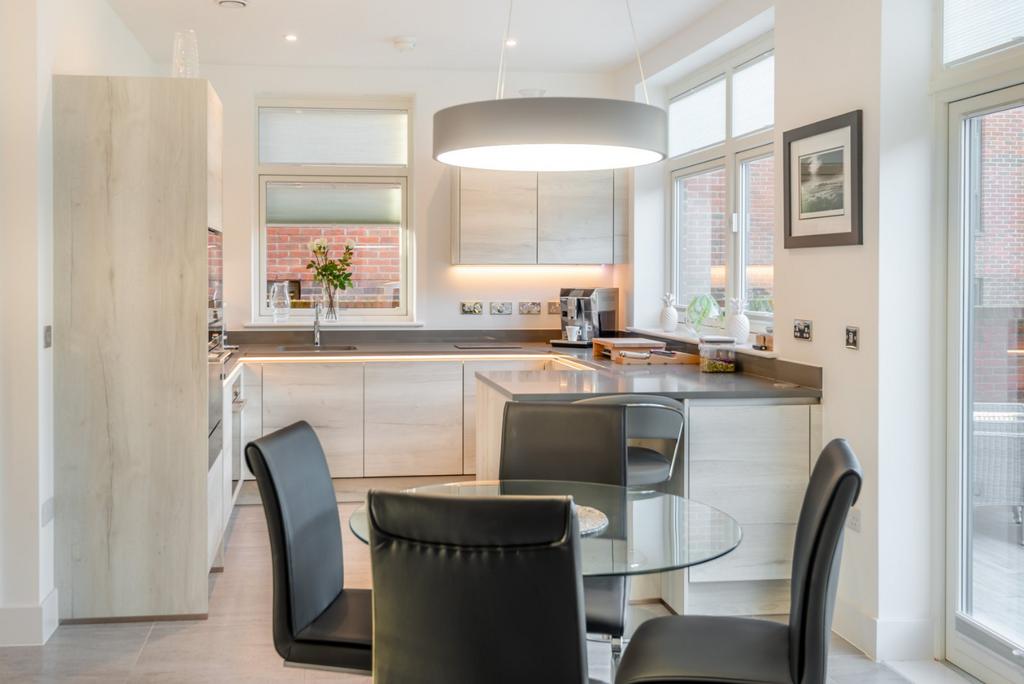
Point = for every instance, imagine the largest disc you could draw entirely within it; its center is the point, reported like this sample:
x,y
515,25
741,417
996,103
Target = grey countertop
x,y
678,382
603,376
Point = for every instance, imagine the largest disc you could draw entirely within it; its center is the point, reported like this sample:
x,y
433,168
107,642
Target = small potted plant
x,y
334,275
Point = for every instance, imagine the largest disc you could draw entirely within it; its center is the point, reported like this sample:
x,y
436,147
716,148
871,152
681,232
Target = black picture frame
x,y
855,236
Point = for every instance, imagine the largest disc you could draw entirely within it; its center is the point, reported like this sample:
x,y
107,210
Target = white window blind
x,y
972,27
697,118
753,96
310,203
365,137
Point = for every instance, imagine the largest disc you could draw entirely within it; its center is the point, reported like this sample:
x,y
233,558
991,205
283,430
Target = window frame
x,y
337,173
730,154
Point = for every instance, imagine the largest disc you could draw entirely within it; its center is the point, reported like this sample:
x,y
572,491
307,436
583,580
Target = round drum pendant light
x,y
550,134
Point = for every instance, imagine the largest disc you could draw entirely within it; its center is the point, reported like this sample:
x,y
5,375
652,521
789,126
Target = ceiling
x,y
553,35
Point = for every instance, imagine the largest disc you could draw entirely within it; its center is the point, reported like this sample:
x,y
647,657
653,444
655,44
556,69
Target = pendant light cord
x,y
499,91
636,49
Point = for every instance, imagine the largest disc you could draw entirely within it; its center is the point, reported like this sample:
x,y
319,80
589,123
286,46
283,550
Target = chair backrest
x,y
476,589
648,416
556,441
833,489
305,531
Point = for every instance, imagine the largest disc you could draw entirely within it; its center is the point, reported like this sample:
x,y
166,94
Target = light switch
x,y
47,336
801,329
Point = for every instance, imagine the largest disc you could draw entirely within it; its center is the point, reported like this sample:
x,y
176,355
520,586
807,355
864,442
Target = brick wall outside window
x,y
760,262
999,260
702,235
376,266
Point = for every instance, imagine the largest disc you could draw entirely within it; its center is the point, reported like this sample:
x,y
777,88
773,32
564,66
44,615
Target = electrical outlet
x,y
801,329
555,307
852,337
853,520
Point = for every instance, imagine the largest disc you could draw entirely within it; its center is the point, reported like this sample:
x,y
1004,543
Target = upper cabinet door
x,y
214,161
497,212
574,218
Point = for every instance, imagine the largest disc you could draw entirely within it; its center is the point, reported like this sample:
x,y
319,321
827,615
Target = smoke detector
x,y
233,4
404,43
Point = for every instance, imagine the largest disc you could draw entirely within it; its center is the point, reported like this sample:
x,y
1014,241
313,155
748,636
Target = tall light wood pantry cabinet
x,y
137,165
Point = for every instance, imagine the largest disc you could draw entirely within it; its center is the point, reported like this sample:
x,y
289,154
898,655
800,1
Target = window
x,y
753,96
722,175
340,174
700,203
971,28
757,216
697,118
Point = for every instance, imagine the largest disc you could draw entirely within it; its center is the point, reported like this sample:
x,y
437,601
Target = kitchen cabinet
x,y
504,217
469,399
329,396
133,160
753,462
413,418
620,217
574,218
215,164
497,217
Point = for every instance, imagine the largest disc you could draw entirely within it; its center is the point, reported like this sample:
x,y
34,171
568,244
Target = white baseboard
x,y
856,626
883,640
30,625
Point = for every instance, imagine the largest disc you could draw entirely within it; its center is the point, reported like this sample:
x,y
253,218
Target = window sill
x,y
353,324
682,337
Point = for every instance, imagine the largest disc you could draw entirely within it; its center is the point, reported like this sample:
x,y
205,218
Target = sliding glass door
x,y
985,534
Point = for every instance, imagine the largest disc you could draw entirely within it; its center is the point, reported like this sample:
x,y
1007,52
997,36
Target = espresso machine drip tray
x,y
579,344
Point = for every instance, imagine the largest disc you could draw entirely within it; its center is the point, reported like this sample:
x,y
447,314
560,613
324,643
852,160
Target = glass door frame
x,y
968,644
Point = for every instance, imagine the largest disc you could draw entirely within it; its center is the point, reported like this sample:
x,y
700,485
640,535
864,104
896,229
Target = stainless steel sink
x,y
313,348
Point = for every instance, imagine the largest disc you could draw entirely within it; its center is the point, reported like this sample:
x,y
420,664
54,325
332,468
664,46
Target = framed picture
x,y
822,183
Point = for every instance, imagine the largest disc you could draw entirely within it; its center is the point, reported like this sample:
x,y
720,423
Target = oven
x,y
216,361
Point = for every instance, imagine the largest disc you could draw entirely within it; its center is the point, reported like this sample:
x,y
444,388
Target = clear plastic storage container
x,y
717,354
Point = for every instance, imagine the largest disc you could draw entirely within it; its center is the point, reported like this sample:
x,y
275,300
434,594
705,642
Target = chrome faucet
x,y
316,324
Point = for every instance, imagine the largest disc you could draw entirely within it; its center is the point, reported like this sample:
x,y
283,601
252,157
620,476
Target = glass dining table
x,y
641,530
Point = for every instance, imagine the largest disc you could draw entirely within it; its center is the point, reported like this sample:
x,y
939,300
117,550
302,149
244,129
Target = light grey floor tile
x,y
82,653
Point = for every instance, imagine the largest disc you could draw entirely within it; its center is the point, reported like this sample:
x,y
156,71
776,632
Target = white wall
x,y
37,39
439,285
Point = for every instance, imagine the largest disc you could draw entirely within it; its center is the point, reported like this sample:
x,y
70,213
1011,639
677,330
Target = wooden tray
x,y
656,359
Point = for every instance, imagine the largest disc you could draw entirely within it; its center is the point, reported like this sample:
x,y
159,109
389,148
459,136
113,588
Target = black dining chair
x,y
317,621
579,443
698,648
476,589
649,417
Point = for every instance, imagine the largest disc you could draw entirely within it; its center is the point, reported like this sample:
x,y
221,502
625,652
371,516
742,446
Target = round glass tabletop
x,y
648,531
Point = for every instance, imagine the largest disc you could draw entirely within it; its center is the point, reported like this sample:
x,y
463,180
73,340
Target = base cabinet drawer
x,y
329,396
413,418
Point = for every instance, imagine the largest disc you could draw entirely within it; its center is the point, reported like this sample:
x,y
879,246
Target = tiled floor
x,y
235,643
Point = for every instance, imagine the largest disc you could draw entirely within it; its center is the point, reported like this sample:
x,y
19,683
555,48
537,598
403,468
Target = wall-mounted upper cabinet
x,y
498,217
574,218
504,217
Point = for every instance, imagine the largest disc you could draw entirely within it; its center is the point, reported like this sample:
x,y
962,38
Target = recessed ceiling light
x,y
291,37
232,4
511,42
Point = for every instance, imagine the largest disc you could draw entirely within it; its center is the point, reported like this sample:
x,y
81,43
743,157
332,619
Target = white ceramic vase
x,y
737,325
669,318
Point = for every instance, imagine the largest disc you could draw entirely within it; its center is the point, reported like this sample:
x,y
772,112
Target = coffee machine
x,y
587,313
